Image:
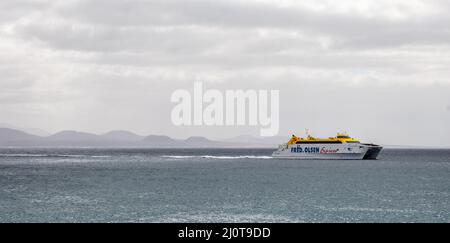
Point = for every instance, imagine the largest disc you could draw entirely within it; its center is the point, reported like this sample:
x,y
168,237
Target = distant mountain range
x,y
32,131
16,137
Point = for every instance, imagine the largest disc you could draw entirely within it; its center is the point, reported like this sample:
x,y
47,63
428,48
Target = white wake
x,y
215,157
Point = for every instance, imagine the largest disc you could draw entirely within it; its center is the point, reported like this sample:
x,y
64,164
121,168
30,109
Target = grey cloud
x,y
104,65
198,27
348,30
10,11
126,40
197,46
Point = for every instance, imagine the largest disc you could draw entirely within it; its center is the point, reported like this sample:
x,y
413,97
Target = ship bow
x,y
372,151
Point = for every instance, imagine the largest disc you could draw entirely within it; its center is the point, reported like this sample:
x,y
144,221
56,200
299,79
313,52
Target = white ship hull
x,y
344,151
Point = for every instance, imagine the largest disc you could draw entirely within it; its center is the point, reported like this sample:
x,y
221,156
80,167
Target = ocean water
x,y
220,185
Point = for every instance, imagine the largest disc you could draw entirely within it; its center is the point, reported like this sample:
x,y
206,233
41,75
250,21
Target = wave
x,y
23,155
215,157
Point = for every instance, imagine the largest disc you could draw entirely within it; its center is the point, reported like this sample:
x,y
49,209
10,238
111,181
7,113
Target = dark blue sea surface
x,y
220,185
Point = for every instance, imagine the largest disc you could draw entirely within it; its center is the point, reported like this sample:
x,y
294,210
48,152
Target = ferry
x,y
342,146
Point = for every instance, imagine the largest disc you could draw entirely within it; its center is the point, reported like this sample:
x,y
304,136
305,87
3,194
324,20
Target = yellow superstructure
x,y
339,138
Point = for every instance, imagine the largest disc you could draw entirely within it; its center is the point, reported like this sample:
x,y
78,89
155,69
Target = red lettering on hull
x,y
328,151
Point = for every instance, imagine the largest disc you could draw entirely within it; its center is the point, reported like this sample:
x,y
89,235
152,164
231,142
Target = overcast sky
x,y
379,70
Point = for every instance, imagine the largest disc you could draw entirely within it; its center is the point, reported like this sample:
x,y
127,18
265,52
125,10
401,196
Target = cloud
x,y
82,64
241,34
131,21
399,22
